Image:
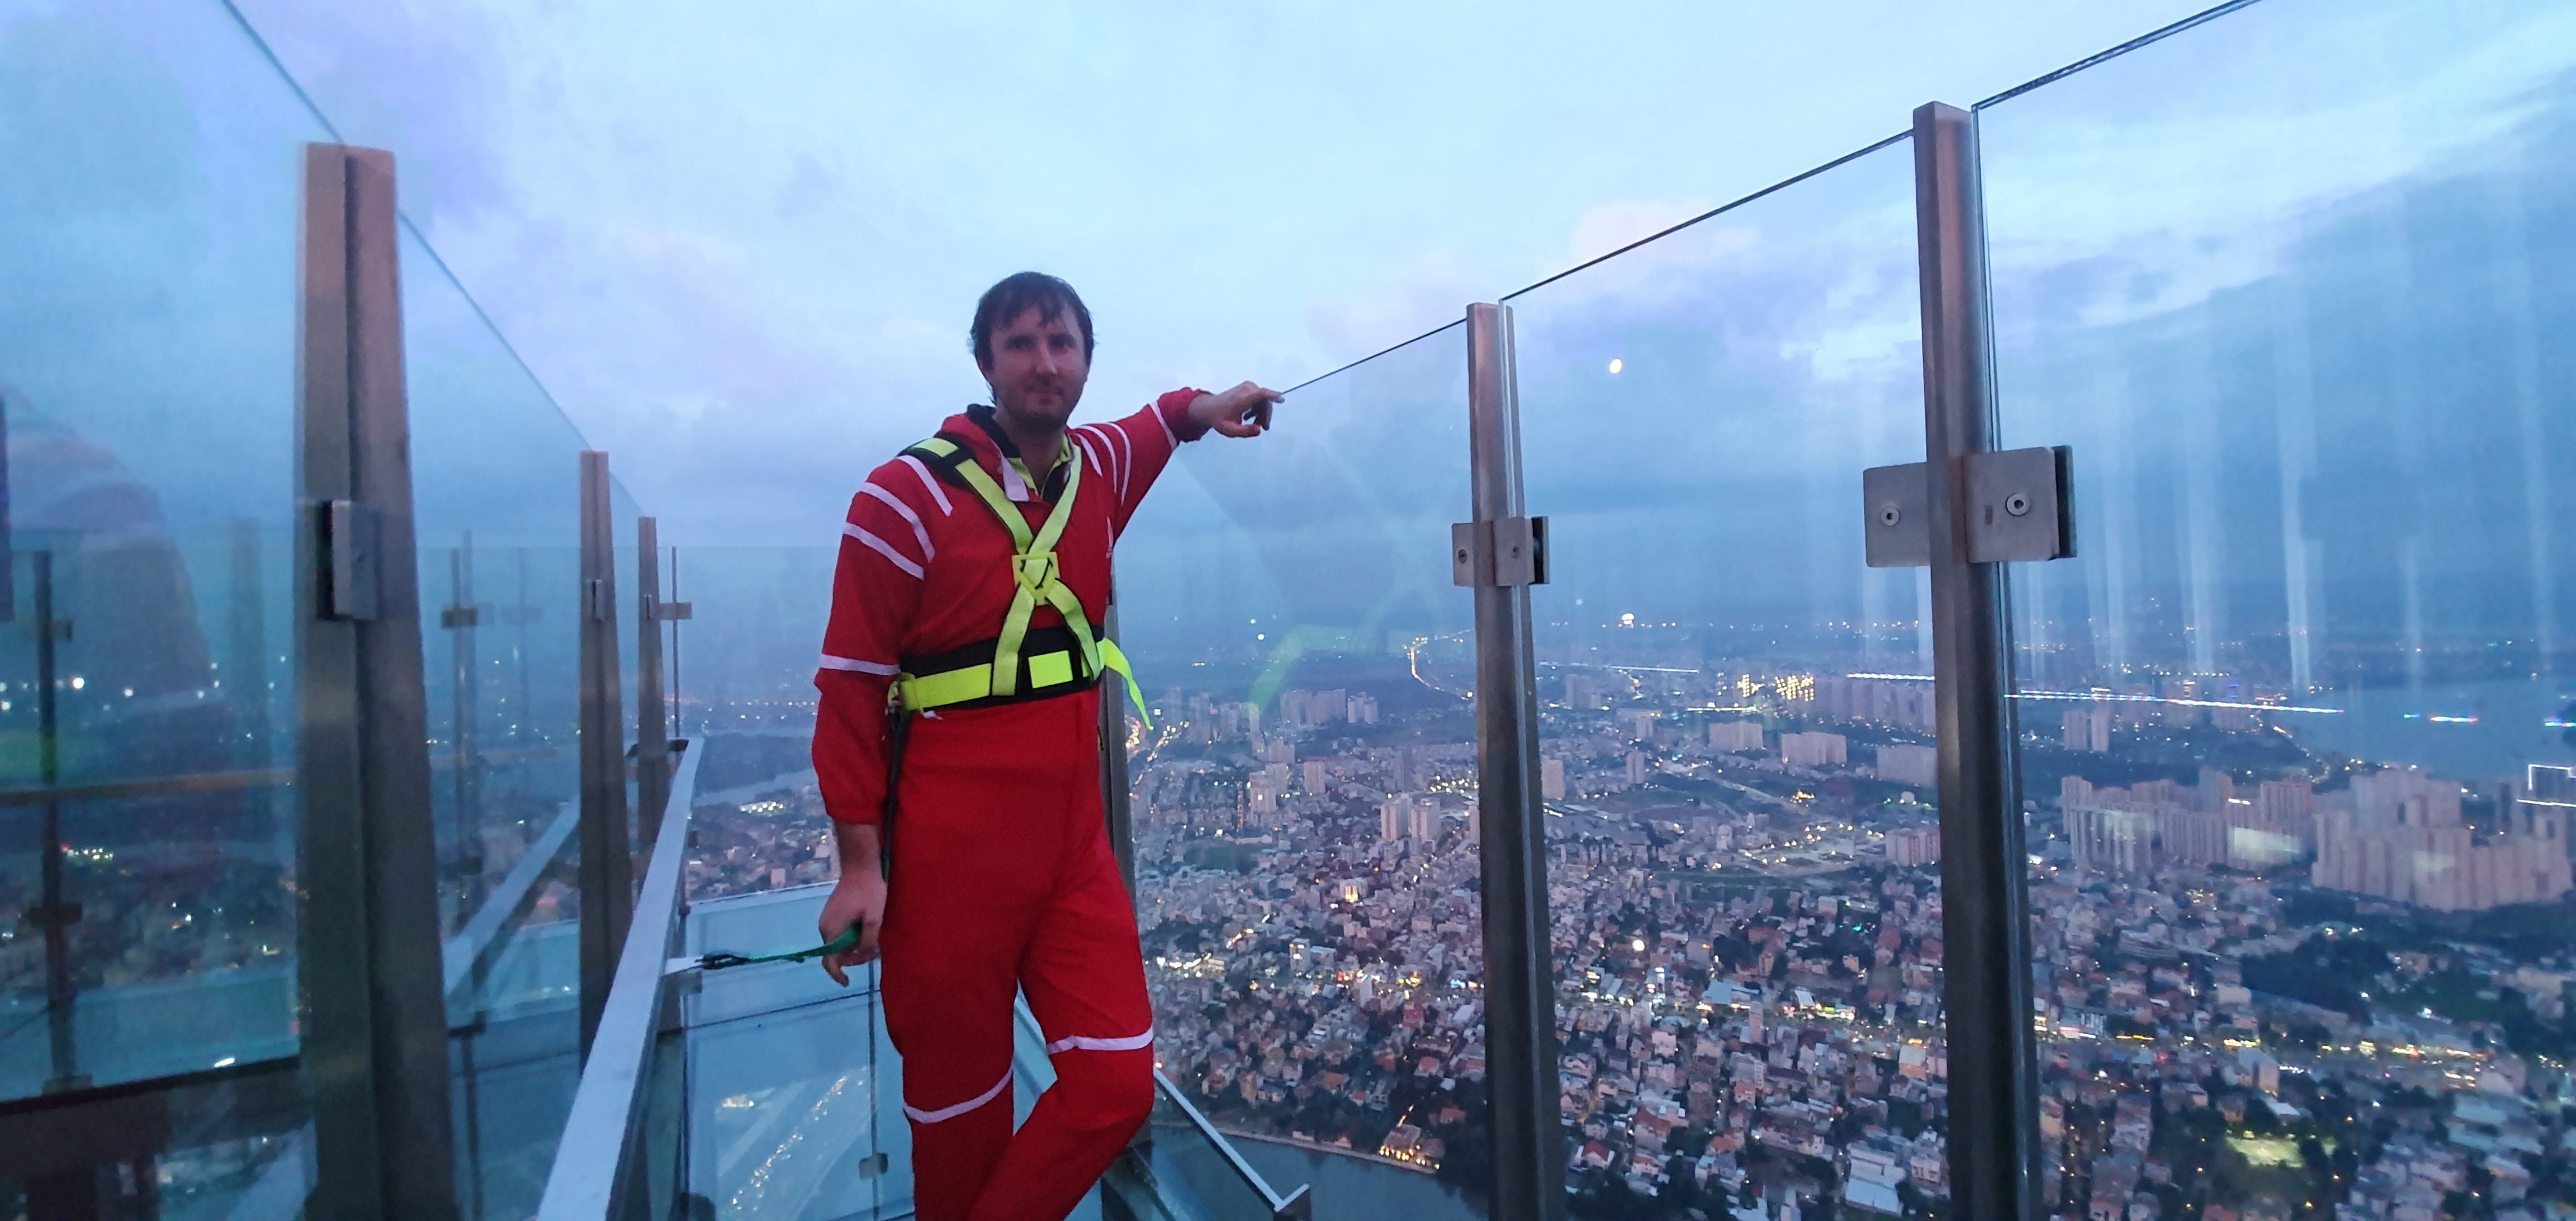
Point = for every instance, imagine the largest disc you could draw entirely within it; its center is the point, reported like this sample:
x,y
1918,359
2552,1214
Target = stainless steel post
x,y
460,617
1993,1106
56,914
607,869
374,1024
652,729
1520,976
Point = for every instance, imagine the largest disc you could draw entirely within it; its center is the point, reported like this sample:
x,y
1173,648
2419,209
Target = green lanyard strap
x,y
722,959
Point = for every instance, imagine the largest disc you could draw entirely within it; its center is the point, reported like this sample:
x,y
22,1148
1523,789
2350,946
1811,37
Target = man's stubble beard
x,y
1021,414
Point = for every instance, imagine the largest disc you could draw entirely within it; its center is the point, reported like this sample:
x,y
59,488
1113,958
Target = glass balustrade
x,y
1736,722
743,680
2294,721
1304,799
147,805
498,539
2297,726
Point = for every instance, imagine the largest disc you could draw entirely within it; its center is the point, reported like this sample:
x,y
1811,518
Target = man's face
x,y
1038,368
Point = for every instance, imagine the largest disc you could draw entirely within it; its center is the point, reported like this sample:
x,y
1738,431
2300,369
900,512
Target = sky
x,y
739,244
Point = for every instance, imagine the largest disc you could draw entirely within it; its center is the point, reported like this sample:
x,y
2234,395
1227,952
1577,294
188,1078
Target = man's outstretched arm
x,y
1131,452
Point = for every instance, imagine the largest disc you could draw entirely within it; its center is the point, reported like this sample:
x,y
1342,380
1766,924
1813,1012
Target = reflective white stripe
x,y
1125,460
882,547
928,481
830,662
1090,449
1170,439
919,534
944,1113
1013,486
1075,1042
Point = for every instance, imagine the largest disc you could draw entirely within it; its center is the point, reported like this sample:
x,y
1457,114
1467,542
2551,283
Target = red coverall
x,y
1002,873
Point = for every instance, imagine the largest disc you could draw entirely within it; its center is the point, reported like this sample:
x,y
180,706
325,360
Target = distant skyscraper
x,y
1905,764
1907,846
1735,735
1314,776
2088,729
1551,778
2398,834
1636,768
1813,749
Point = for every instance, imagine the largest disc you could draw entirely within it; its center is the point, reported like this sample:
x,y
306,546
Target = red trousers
x,y
1003,881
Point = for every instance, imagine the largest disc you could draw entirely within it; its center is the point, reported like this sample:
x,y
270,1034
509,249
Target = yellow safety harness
x,y
1021,663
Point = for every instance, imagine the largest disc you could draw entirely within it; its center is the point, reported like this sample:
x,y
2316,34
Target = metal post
x,y
1116,803
460,617
1993,1107
607,863
56,915
1520,977
652,729
374,1023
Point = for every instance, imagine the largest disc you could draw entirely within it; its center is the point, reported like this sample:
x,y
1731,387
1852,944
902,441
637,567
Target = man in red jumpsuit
x,y
1002,879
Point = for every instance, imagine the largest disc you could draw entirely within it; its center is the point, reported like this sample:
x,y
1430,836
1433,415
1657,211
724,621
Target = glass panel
x,y
2293,286
1736,715
744,679
147,374
1305,854
495,471
794,1101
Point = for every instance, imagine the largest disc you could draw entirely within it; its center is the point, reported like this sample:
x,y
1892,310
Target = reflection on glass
x,y
2292,284
793,1098
147,344
495,472
1304,801
1735,713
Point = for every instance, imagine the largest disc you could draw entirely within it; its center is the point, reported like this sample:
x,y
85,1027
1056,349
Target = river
x,y
1345,1186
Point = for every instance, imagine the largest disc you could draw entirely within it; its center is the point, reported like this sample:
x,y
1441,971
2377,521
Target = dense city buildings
x,y
2276,981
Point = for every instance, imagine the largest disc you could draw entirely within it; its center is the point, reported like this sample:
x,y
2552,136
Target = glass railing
x,y
2298,726
1304,804
779,1094
498,538
147,842
2292,284
149,809
745,683
1736,714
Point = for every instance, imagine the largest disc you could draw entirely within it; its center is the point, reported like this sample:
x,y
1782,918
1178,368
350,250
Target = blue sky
x,y
739,242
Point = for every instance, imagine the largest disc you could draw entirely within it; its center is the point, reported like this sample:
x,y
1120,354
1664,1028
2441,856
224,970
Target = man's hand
x,y
858,898
1241,412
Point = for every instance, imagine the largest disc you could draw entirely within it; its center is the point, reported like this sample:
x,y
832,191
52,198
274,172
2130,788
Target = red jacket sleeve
x,y
1132,452
885,548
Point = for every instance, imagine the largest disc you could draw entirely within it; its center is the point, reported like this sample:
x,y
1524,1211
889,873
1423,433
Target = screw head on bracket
x,y
1888,516
2017,504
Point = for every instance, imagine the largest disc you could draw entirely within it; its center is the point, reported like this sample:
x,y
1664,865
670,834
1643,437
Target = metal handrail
x,y
591,1163
1295,1206
480,933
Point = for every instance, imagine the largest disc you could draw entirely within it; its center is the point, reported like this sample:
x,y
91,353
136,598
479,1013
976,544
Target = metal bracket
x,y
460,616
1898,532
2018,505
2019,508
657,611
351,533
595,601
1504,552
